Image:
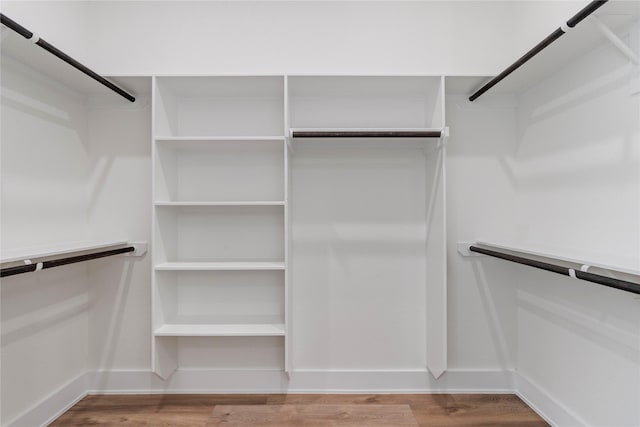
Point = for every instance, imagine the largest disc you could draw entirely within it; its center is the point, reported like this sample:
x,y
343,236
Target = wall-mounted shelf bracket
x,y
615,40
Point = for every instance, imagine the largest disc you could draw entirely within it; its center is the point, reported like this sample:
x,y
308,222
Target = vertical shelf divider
x,y
436,250
164,357
287,234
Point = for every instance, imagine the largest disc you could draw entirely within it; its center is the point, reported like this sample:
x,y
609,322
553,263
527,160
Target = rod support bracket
x,y
140,249
444,137
615,40
463,249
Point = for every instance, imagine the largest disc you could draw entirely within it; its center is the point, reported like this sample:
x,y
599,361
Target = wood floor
x,y
272,410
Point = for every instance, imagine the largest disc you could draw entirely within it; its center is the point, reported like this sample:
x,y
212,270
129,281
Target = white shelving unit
x,y
222,227
219,215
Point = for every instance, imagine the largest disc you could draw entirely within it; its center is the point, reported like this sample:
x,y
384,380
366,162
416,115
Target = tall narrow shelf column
x,y
219,160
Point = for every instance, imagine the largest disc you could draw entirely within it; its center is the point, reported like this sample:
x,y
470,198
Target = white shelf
x,y
170,139
213,266
34,252
23,51
239,203
220,330
617,15
578,257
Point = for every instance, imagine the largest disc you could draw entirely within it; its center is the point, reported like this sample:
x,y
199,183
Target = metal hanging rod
x,y
27,268
10,23
366,134
572,22
565,271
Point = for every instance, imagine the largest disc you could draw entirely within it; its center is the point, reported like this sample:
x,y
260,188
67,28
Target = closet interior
x,y
334,232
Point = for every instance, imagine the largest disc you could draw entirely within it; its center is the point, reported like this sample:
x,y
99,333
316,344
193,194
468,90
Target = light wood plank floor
x,y
343,410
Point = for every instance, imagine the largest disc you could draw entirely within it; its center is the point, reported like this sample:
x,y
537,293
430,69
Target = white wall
x,y
45,165
72,169
299,37
535,19
480,194
295,37
119,191
61,23
561,171
577,172
358,257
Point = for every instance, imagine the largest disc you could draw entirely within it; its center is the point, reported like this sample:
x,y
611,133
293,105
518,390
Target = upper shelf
x,y
16,48
585,36
37,252
619,264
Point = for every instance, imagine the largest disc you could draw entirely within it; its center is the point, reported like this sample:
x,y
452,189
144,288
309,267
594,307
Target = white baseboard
x,y
400,381
544,404
54,405
301,381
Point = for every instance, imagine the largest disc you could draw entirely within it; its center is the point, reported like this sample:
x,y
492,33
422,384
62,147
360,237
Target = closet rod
x,y
26,268
565,271
572,22
10,23
366,134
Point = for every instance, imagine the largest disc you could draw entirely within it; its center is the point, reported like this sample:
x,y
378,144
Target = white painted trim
x,y
541,401
186,381
302,381
54,405
399,381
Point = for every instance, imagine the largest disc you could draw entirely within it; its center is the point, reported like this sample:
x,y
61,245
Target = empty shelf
x,y
238,203
220,330
229,266
182,139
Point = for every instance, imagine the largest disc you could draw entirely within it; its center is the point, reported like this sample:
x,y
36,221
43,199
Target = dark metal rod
x,y
367,134
520,260
12,271
609,281
586,11
583,275
572,22
10,23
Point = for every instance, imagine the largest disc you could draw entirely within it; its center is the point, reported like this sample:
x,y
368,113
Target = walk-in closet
x,y
328,213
